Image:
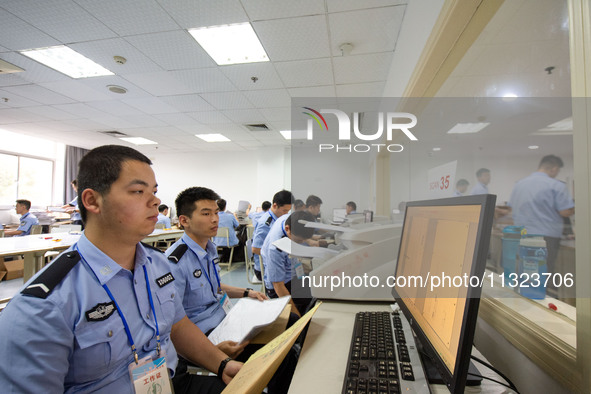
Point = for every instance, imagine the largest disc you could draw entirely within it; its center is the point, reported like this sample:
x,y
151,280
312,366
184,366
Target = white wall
x,y
253,176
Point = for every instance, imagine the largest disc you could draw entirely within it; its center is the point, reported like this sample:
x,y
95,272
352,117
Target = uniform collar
x,y
195,247
102,265
25,215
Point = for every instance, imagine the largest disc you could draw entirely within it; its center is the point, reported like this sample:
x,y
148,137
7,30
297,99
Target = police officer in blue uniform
x,y
194,265
278,265
27,219
281,205
107,305
72,207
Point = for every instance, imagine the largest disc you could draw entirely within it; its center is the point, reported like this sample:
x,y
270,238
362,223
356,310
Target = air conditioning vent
x,y
114,133
257,127
7,68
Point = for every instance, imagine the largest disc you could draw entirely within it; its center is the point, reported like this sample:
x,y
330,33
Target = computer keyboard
x,y
379,359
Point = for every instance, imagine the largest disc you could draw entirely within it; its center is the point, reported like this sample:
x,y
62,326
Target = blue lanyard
x,y
283,229
205,271
125,325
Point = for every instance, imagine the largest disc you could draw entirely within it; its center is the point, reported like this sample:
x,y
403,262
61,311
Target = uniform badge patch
x,y
100,312
216,260
197,273
164,280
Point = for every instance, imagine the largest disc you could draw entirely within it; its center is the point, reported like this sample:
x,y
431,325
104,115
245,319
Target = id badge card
x,y
224,301
299,269
150,376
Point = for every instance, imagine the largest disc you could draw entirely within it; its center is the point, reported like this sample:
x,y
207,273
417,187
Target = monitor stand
x,y
434,377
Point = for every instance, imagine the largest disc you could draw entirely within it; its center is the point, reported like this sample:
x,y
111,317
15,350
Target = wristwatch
x,y
223,366
245,294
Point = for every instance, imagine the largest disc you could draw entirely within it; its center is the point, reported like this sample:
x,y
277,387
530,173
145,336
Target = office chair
x,y
36,229
263,290
224,232
249,257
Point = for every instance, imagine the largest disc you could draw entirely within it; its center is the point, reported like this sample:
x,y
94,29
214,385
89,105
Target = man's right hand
x,y
231,370
232,349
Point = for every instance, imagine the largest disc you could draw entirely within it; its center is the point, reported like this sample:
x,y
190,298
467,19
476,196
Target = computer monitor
x,y
368,216
446,237
339,215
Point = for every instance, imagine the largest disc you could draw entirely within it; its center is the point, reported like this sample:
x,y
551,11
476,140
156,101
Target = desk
x,y
323,360
34,247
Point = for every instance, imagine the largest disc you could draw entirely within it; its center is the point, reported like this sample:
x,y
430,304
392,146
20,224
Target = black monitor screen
x,y
443,249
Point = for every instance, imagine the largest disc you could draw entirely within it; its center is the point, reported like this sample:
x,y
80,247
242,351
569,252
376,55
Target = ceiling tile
x,y
348,5
173,50
263,9
17,34
313,91
8,99
295,38
175,119
101,84
306,72
269,98
372,89
204,80
52,112
273,114
144,120
19,115
34,72
379,36
188,103
117,108
227,100
244,115
241,76
159,83
199,13
130,16
64,20
209,117
76,90
39,93
362,68
150,105
80,110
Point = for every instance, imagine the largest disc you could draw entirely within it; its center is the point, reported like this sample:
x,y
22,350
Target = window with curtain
x,y
25,177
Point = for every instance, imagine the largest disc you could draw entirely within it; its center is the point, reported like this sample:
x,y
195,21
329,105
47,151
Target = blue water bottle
x,y
510,241
532,260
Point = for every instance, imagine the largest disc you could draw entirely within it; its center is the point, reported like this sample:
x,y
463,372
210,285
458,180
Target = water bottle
x,y
510,243
532,260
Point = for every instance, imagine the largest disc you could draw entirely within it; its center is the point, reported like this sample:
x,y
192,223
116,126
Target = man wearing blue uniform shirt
x,y
229,221
483,176
254,216
540,202
163,216
27,219
277,263
461,187
72,207
281,205
108,304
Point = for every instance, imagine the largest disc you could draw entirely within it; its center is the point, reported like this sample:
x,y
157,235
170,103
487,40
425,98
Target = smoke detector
x,y
346,49
117,89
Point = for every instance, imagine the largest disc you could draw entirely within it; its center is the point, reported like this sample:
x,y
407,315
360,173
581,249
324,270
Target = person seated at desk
x,y
281,205
194,260
254,216
72,207
277,263
85,320
299,205
27,220
229,221
163,216
350,208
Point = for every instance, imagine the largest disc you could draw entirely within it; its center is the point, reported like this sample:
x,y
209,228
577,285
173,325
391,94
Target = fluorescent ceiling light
x,y
467,128
212,137
532,147
509,97
139,141
564,126
436,149
231,44
67,61
286,134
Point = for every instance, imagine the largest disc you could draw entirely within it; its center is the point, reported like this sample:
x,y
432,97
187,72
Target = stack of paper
x,y
247,318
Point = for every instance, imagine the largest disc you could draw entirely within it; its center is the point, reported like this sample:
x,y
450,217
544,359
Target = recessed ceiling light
x,y
231,44
533,147
467,128
436,149
564,126
139,141
67,61
212,137
117,89
509,97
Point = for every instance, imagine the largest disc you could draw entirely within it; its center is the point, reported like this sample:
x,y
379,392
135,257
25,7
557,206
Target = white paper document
x,y
247,318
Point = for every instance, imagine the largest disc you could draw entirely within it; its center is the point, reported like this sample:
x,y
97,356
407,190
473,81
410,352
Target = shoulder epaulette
x,y
269,220
178,252
53,275
151,247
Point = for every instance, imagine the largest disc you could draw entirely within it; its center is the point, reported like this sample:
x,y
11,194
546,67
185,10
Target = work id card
x,y
150,376
224,301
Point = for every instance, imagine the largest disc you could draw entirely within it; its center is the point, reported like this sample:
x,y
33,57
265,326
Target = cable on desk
x,y
511,385
493,380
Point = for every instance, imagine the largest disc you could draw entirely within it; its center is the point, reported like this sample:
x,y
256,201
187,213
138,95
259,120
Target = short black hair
x,y
26,203
551,161
352,205
162,207
462,182
481,171
101,167
299,229
222,204
313,200
185,201
266,205
74,183
298,204
283,197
